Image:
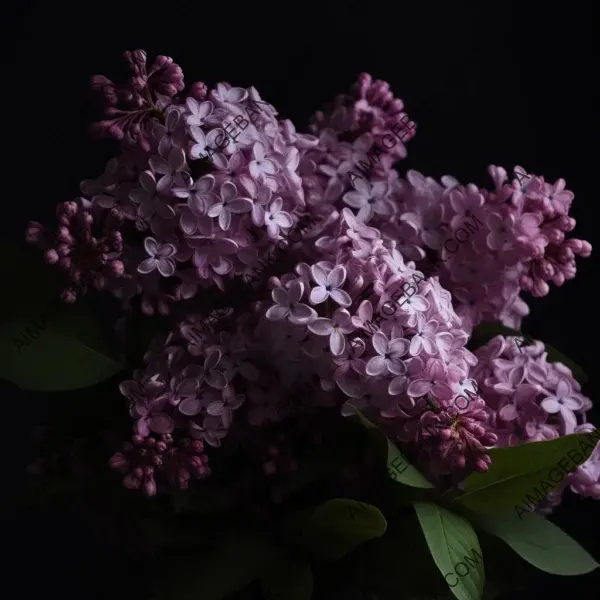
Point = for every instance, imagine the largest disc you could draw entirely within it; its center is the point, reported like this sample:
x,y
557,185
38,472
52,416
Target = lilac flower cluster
x,y
530,399
162,225
200,216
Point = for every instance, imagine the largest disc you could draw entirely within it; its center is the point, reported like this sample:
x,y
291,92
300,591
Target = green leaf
x,y
288,579
521,476
539,542
455,549
484,332
239,558
399,469
340,525
46,345
69,351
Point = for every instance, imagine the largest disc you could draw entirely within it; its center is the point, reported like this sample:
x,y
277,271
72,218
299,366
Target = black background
x,y
486,82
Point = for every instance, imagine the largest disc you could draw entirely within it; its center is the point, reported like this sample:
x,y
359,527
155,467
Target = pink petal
x,y
508,412
380,342
161,424
419,388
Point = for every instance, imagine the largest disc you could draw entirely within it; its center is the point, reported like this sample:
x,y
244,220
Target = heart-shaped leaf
x,y
399,469
54,348
521,476
455,549
340,525
239,558
287,579
539,542
45,344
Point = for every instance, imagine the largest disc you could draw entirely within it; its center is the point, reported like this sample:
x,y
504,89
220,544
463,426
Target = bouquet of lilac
x,y
320,350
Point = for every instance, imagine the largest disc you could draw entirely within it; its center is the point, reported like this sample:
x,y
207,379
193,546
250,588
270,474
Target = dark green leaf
x,y
65,348
287,579
399,469
521,476
46,345
240,558
340,525
455,549
539,542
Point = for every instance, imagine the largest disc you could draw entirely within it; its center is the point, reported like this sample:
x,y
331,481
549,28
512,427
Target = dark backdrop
x,y
491,82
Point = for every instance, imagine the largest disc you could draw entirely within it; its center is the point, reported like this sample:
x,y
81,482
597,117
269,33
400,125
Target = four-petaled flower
x,y
224,408
160,258
276,218
564,401
261,166
335,328
229,204
287,304
389,355
329,285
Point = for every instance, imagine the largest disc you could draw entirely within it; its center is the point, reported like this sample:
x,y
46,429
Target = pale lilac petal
x,y
190,406
341,297
294,291
380,342
166,250
337,342
276,313
228,191
216,409
318,294
336,277
224,219
151,246
166,267
276,205
319,275
321,326
550,405
284,219
376,366
302,314
563,389
147,266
